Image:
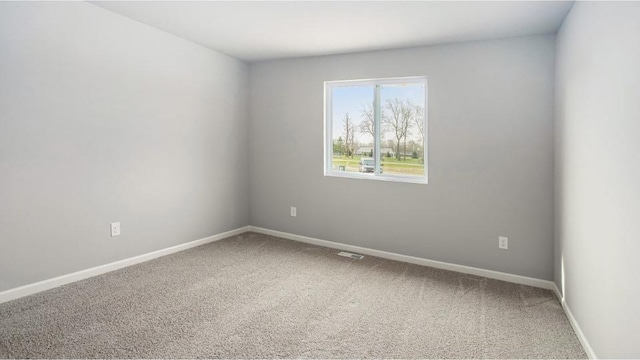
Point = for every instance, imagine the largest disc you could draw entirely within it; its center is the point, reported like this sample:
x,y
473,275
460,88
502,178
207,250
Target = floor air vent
x,y
351,255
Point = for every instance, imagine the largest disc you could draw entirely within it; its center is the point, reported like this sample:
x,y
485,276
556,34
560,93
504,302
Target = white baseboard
x,y
37,287
574,324
524,280
557,292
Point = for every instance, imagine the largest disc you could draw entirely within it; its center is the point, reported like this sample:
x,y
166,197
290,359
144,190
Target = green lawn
x,y
389,165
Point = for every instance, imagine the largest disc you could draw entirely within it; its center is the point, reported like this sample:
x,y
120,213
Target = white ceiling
x,y
264,30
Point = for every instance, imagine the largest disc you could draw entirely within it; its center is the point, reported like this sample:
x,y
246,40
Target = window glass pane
x,y
402,129
352,128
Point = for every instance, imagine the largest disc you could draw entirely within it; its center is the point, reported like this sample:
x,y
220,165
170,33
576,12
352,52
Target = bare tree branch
x,y
419,120
398,121
350,136
367,126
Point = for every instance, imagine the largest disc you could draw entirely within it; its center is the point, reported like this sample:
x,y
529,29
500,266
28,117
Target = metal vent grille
x,y
351,255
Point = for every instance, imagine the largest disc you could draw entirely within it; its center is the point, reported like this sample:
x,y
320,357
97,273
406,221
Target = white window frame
x,y
328,130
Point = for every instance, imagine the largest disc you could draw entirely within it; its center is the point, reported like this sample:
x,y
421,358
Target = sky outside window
x,y
351,99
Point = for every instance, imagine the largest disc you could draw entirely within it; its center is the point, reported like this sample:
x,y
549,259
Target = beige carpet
x,y
255,296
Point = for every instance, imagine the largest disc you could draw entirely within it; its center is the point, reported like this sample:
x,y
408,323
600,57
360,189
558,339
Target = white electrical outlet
x,y
115,229
503,242
293,211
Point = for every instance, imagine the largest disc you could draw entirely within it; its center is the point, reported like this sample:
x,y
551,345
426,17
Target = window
x,y
377,129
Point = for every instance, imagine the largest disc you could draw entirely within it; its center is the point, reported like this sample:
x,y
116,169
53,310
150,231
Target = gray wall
x,y
104,119
598,173
490,156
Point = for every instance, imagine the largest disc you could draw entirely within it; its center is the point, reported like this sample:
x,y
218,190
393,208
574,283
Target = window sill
x,y
383,177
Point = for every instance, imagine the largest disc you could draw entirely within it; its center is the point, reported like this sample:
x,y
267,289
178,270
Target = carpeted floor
x,y
256,296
